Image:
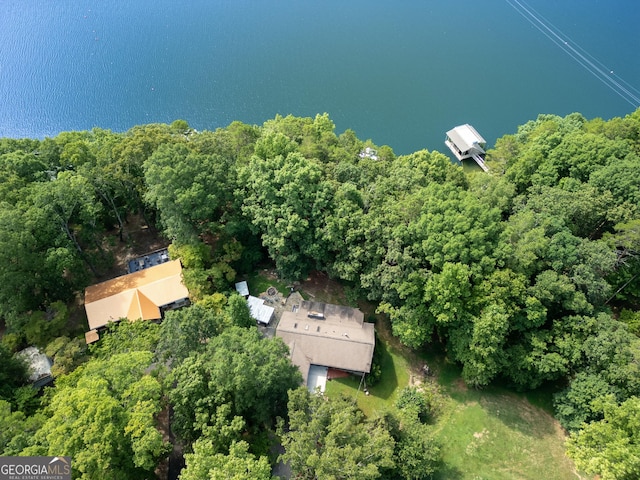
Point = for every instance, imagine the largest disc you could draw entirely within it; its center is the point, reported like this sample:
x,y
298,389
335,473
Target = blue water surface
x,y
399,72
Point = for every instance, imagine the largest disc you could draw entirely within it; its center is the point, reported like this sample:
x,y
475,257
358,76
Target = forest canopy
x,y
528,275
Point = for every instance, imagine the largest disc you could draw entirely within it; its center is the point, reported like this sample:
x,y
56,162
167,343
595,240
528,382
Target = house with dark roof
x,y
142,295
324,337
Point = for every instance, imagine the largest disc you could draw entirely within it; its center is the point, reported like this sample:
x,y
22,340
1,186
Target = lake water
x,y
399,72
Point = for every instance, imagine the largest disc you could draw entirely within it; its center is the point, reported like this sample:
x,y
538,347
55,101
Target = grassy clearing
x,y
490,434
395,376
499,435
259,282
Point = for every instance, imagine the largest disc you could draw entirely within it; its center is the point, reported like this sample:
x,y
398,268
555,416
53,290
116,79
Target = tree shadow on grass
x,y
388,379
380,396
447,472
528,413
517,413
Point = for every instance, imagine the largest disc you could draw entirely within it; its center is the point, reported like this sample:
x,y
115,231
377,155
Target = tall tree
x,y
286,198
207,464
69,203
240,369
191,190
17,430
104,416
188,330
331,439
13,373
610,447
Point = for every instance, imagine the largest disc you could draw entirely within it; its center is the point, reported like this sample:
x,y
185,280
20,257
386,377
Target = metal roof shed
x,y
259,311
242,288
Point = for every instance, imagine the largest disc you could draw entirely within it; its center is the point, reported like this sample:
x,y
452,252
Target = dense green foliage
x,y
206,464
13,374
528,275
610,447
331,439
103,416
239,374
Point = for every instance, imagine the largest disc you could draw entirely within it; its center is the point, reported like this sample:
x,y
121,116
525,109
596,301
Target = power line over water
x,y
603,73
399,73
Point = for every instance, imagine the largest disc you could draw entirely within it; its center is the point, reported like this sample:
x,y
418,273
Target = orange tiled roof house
x,y
142,295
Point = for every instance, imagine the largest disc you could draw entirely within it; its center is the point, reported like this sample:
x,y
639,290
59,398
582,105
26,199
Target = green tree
x,y
126,336
632,320
610,447
37,267
13,373
191,190
417,454
286,199
331,439
238,312
578,404
188,330
69,203
238,368
577,206
625,241
103,415
17,430
207,270
40,327
127,157
67,354
206,464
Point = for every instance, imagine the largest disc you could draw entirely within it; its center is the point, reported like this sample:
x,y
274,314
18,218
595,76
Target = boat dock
x,y
480,161
465,142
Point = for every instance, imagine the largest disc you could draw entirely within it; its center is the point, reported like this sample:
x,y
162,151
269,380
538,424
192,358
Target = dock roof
x,y
465,137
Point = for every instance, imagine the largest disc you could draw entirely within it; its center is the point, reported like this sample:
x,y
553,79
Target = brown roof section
x,y
135,296
91,336
143,308
328,335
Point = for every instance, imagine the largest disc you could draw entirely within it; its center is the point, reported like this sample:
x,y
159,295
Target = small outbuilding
x,y
242,288
259,311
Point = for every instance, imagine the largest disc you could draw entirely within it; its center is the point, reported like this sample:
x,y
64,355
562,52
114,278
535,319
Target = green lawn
x,y
490,434
395,376
496,435
259,283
